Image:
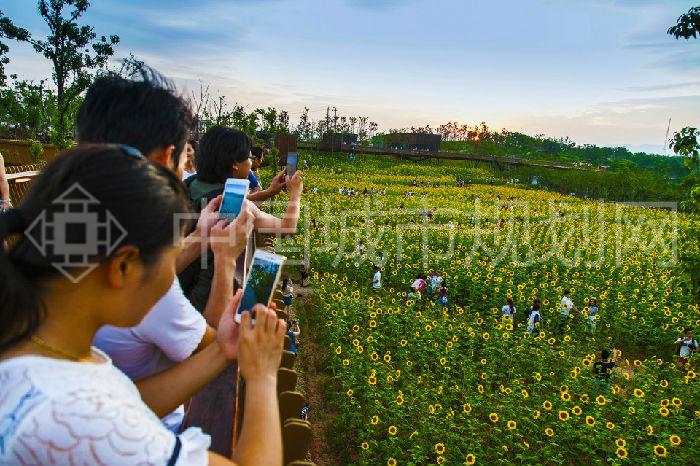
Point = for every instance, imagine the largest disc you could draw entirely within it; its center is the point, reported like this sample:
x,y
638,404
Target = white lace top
x,y
67,413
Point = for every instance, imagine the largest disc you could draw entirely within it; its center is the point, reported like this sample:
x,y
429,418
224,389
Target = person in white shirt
x,y
509,309
534,318
377,280
687,346
565,307
62,401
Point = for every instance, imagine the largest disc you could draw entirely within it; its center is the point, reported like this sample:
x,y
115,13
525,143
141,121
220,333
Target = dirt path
x,y
311,381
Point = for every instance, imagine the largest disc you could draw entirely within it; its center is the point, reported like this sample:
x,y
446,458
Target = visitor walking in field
x,y
287,294
509,309
533,316
686,346
377,280
592,314
602,369
565,307
442,295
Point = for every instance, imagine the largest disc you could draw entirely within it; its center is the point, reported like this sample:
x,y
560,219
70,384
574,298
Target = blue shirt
x,y
254,183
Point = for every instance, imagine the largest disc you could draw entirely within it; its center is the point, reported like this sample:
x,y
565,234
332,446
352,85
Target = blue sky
x,y
600,71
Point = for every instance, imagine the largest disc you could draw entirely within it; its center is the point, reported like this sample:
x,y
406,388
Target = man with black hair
x,y
147,115
603,367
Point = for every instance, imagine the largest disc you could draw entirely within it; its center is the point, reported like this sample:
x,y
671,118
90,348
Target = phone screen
x,y
261,281
292,160
235,192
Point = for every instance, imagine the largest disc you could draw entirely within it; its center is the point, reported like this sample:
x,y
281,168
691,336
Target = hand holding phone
x,y
295,184
292,161
261,282
235,192
229,239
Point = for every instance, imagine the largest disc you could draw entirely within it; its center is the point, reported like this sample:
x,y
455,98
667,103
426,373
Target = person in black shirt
x,y
602,369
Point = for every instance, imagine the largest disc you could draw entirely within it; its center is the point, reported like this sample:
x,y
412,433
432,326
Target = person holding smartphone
x,y
226,153
63,401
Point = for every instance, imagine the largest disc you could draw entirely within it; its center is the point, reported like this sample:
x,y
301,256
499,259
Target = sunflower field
x,y
414,382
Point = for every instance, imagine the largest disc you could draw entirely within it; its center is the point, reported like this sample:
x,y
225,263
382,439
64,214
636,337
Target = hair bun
x,y
11,221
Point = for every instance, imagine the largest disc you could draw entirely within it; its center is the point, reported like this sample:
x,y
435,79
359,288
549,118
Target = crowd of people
x,y
97,370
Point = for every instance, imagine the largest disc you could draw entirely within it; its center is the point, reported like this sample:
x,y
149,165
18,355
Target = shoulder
x,y
68,413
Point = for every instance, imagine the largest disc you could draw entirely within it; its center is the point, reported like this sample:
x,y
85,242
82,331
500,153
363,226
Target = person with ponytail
x,y
61,400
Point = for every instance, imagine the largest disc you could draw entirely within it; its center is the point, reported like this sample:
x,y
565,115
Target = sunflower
x,y
493,417
393,430
512,425
660,451
549,431
584,398
638,393
676,402
536,414
565,396
621,453
621,443
375,420
365,446
610,425
467,408
590,421
576,410
650,430
675,440
664,383
471,459
600,399
663,411
350,392
372,380
391,462
547,405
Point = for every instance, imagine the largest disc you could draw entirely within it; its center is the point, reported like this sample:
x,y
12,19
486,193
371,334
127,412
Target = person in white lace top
x,y
62,401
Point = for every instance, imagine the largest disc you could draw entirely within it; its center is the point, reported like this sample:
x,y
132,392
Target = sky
x,y
598,71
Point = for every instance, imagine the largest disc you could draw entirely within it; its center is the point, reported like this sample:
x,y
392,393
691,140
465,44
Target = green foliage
x,y
10,31
75,52
36,149
688,25
27,110
685,143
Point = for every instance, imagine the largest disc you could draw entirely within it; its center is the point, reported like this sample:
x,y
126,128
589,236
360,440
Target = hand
x,y
278,182
230,239
260,346
209,216
295,184
228,331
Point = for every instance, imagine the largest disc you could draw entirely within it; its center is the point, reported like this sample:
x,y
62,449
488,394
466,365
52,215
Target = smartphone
x,y
261,282
235,191
292,161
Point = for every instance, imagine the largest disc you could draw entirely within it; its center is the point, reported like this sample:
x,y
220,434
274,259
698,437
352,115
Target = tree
x,y
75,52
8,31
27,109
688,25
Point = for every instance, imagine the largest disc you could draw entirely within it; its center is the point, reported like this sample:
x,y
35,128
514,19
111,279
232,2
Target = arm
x,y
4,185
166,390
287,225
260,355
227,243
259,195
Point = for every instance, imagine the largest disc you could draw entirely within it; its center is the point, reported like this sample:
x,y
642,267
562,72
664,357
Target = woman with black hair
x,y
226,153
95,246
